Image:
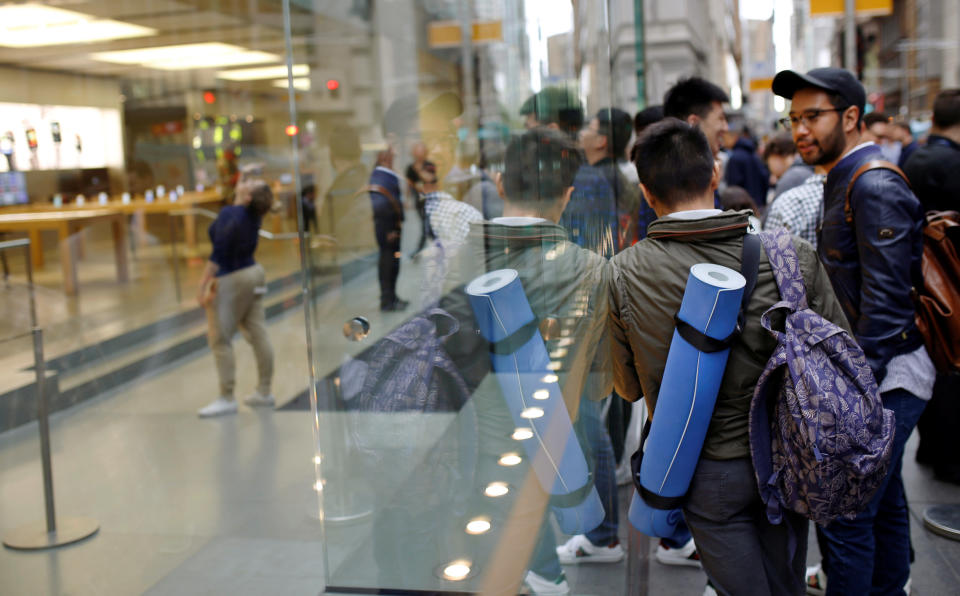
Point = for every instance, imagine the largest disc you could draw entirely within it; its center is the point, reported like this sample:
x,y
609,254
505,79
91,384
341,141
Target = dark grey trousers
x,y
742,553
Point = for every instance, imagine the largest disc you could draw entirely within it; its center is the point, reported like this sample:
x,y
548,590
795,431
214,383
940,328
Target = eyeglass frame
x,y
808,117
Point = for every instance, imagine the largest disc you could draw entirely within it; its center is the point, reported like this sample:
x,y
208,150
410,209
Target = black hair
x,y
646,117
540,166
841,104
674,161
692,96
904,126
875,117
261,199
556,105
946,108
781,145
308,190
616,125
737,198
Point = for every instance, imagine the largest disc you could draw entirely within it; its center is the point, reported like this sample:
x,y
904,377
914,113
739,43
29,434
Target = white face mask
x,y
891,151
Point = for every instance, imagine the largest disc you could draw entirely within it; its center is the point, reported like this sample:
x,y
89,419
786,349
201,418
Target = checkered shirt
x,y
449,219
799,210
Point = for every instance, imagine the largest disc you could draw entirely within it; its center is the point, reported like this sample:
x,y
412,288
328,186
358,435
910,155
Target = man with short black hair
x,y
602,196
871,245
741,551
699,103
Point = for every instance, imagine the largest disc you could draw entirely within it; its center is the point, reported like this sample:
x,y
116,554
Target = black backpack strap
x,y
510,344
749,266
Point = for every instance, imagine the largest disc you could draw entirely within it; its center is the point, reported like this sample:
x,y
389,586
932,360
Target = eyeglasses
x,y
808,118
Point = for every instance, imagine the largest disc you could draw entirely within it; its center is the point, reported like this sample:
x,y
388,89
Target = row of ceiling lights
x,y
36,25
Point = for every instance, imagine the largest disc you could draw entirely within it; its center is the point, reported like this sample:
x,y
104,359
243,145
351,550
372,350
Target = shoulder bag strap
x,y
873,164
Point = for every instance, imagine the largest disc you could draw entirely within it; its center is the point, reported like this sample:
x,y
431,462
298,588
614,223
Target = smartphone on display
x,y
55,131
32,138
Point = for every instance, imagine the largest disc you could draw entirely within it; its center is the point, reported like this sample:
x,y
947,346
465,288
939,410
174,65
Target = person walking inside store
x,y
741,551
871,246
232,289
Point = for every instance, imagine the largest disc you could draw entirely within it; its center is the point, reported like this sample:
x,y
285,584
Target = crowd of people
x,y
603,232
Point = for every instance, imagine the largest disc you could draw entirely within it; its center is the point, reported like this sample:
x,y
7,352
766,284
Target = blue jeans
x,y
544,561
870,554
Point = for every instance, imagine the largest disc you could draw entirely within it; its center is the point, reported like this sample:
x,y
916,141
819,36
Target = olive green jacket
x,y
648,281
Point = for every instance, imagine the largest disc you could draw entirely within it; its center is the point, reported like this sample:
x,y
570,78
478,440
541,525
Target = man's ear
x,y
566,198
651,200
851,119
715,178
693,120
498,180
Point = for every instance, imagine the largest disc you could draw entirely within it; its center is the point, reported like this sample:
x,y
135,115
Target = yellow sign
x,y
834,8
761,84
446,34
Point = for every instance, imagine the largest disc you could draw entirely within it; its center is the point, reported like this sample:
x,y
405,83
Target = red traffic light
x,y
333,84
209,97
292,130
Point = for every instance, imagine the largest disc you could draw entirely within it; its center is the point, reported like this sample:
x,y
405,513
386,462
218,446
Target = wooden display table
x,y
138,208
68,223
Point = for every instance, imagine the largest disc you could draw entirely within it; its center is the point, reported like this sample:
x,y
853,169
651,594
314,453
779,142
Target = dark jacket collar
x,y
729,224
745,144
942,141
842,172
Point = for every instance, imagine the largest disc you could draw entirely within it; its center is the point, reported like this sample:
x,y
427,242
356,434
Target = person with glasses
x,y
871,246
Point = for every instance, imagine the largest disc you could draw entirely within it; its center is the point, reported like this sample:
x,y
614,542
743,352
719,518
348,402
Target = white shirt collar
x,y
858,147
695,213
518,221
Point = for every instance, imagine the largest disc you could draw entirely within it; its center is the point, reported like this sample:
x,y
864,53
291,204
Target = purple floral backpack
x,y
819,436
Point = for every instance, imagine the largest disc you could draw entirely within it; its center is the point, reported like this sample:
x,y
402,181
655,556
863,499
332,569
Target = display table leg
x,y
36,248
119,226
68,258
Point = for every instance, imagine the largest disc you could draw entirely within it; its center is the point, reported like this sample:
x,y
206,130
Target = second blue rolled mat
x,y
530,387
688,393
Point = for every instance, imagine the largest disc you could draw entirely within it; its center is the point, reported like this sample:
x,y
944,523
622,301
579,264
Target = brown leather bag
x,y
938,301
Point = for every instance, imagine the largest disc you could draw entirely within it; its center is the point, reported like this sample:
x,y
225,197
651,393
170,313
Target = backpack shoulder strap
x,y
873,164
778,244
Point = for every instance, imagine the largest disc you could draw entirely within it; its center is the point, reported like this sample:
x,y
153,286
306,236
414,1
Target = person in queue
x,y
871,247
232,289
932,170
741,551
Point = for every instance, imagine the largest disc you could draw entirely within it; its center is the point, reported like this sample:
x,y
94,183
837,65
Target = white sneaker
x,y
542,586
686,555
218,407
709,590
816,580
579,549
257,400
906,586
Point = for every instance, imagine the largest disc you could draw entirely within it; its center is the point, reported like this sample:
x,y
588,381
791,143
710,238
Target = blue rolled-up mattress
x,y
688,392
533,396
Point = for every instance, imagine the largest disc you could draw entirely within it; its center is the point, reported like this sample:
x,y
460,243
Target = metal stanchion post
x,y
39,535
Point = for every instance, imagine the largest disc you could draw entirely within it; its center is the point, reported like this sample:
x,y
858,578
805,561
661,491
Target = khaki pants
x,y
238,304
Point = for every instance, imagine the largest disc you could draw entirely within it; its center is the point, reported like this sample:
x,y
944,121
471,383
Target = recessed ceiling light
x,y
263,72
187,56
496,489
510,459
478,525
457,570
34,25
522,434
551,379
541,394
531,413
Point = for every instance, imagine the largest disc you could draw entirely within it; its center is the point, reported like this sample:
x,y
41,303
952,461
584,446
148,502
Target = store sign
x,y
446,34
864,8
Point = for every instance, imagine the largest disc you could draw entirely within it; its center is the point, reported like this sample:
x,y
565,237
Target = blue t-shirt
x,y
234,238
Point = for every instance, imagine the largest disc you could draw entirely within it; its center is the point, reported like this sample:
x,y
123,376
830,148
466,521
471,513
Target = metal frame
x,y
47,534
